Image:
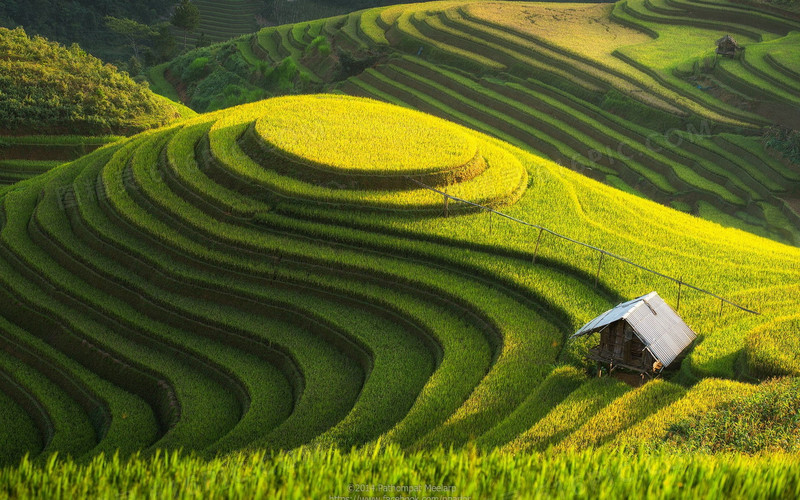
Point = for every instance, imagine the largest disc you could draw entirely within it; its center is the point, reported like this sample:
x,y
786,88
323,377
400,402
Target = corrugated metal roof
x,y
660,328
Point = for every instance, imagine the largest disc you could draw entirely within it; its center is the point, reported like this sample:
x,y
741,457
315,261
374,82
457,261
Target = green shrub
x,y
196,69
321,45
233,95
213,86
236,63
784,141
283,74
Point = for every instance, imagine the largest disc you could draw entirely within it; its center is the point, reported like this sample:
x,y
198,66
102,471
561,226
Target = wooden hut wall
x,y
634,348
611,341
620,344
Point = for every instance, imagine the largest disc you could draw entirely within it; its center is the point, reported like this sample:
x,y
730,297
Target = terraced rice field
x,y
23,157
518,71
270,285
222,20
216,285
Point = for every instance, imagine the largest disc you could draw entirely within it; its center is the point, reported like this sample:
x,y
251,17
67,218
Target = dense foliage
x,y
78,21
51,89
216,77
784,141
186,17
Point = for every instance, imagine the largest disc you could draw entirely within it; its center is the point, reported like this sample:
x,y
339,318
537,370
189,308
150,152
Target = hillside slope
x,y
638,100
227,282
49,88
59,103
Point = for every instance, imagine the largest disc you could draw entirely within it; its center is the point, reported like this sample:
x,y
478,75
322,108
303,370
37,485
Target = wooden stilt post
x,y
680,282
538,240
599,264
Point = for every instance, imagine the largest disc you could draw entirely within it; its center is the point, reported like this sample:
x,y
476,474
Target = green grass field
x,y
266,300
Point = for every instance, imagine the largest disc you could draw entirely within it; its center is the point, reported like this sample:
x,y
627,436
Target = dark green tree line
x,y
80,21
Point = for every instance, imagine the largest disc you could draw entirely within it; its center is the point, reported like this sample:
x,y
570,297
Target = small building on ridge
x,y
644,335
727,46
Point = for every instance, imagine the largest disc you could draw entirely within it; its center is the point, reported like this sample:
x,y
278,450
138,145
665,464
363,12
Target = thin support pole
x,y
719,315
538,240
599,264
680,282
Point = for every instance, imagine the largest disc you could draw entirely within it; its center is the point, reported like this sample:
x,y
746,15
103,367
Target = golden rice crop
x,y
707,394
363,136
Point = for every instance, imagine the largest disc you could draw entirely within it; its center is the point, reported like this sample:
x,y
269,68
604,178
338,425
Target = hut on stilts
x,y
644,335
727,46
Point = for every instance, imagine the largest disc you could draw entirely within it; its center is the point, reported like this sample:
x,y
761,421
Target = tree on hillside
x,y
82,21
186,17
132,31
164,45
